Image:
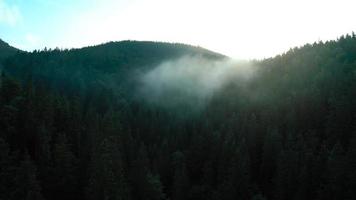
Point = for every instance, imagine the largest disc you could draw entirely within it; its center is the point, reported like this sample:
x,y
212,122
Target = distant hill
x,y
108,65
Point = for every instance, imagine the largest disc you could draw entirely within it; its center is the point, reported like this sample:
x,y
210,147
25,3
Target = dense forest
x,y
72,127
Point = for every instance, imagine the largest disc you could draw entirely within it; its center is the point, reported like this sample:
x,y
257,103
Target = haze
x,y
191,81
239,29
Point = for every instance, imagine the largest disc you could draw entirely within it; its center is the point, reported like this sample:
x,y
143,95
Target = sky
x,y
242,29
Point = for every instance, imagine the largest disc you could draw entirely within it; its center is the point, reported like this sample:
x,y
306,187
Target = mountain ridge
x,y
114,61
69,125
6,50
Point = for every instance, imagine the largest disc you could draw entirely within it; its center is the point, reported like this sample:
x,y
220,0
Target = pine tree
x,y
237,183
271,148
180,189
107,177
139,172
351,166
26,183
336,174
64,175
155,188
285,180
7,171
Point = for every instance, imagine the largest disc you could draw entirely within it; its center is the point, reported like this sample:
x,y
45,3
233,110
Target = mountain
x,y
6,51
280,128
110,64
112,56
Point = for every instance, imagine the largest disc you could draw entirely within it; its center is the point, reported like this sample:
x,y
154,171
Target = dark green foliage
x,y
97,70
6,51
71,127
7,171
155,188
64,170
107,176
26,183
180,179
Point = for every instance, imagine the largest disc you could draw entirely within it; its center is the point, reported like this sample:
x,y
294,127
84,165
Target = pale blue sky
x,y
239,28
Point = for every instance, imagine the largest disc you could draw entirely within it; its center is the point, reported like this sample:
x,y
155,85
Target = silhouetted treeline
x,y
70,128
6,51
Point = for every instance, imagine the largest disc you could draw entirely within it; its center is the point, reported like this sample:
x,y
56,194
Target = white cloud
x,y
32,40
9,14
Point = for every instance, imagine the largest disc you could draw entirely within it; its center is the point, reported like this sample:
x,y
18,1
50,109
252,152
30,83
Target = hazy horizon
x,y
239,29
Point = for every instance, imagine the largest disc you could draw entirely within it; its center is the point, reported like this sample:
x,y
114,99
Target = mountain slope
x,y
109,64
289,132
6,51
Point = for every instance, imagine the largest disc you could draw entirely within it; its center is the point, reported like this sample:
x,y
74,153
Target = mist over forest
x,y
136,120
191,81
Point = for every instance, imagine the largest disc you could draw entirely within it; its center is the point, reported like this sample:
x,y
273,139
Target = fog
x,y
191,81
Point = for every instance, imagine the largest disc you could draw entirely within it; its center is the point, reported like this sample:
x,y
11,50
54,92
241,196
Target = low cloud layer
x,y
191,81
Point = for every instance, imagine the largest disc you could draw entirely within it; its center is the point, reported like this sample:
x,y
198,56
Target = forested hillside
x,y
71,127
107,65
6,51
